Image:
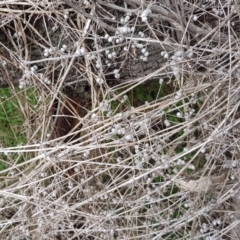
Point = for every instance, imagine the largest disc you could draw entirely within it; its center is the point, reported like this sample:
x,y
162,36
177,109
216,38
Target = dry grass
x,y
164,169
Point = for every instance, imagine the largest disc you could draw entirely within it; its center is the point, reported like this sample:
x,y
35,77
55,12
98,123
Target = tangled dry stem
x,y
166,169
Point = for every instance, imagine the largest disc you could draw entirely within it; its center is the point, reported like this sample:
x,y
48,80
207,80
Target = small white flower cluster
x,y
189,113
119,159
164,54
191,167
48,51
167,123
144,55
190,52
193,98
195,18
124,99
109,64
34,68
165,161
104,106
110,55
100,81
232,192
222,132
175,69
142,126
205,228
25,80
178,94
125,29
12,172
177,56
211,238
144,15
216,222
179,114
232,177
109,38
55,27
116,73
187,205
43,174
129,138
86,3
202,150
208,62
3,62
98,63
205,125
119,40
161,81
94,117
141,34
108,214
230,164
180,162
80,51
63,48
104,196
143,154
86,154
24,230
117,129
218,12
66,15
47,81
126,18
17,34
44,79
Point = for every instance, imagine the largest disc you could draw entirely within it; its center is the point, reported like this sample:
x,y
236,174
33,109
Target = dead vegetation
x,y
130,160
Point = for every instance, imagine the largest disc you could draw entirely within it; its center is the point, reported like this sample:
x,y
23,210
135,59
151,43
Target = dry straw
x,y
163,169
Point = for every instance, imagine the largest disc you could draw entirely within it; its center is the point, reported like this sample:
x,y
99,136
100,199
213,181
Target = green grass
x,y
146,92
11,118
